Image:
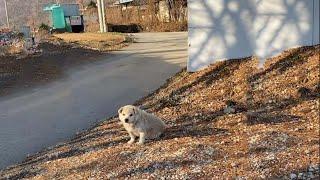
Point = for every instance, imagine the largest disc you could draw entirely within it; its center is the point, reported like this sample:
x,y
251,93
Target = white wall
x,y
226,29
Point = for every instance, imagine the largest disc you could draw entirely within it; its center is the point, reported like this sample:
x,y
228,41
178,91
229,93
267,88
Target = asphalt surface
x,y
34,119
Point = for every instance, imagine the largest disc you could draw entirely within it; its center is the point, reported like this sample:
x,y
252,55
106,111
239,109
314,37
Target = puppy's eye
x,y
130,114
123,114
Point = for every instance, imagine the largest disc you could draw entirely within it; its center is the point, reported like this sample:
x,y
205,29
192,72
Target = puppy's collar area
x,y
132,124
135,123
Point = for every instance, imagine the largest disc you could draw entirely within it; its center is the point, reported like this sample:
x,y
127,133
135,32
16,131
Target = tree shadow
x,y
85,166
194,126
152,167
23,174
271,112
269,118
259,114
72,151
93,135
286,62
220,71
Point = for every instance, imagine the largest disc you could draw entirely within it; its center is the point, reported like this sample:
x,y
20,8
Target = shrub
x,y
44,27
92,4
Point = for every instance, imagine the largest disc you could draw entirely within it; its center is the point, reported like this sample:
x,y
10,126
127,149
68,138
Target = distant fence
x,y
225,29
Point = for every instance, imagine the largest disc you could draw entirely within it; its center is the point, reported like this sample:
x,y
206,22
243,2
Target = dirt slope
x,y
269,130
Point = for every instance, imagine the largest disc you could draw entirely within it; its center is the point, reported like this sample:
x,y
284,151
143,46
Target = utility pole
x,y
103,9
7,15
101,13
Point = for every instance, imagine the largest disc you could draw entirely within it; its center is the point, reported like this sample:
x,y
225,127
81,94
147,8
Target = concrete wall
x,y
226,29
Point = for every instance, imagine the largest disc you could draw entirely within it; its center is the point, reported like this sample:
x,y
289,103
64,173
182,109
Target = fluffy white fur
x,y
139,123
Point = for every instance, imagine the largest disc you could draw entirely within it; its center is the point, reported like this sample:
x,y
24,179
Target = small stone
x,y
233,164
230,103
262,176
304,92
293,176
311,169
229,110
311,176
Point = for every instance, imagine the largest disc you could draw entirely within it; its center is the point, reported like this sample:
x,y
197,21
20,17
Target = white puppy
x,y
139,123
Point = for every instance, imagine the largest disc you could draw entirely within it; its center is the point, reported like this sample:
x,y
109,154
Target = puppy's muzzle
x,y
126,120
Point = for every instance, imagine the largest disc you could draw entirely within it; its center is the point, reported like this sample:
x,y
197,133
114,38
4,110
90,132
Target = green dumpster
x,y
57,17
65,17
58,21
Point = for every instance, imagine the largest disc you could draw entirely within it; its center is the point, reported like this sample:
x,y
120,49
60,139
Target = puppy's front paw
x,y
131,141
140,143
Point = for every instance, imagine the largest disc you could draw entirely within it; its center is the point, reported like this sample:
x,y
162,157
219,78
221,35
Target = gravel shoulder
x,y
230,120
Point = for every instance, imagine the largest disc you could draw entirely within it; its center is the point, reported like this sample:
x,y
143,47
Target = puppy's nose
x,y
126,120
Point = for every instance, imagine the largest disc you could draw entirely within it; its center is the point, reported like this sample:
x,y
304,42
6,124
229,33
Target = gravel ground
x,y
230,121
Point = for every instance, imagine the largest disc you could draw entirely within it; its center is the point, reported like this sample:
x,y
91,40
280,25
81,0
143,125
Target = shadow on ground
x,y
51,65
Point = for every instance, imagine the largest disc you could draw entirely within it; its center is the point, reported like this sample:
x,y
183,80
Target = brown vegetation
x,y
96,41
147,15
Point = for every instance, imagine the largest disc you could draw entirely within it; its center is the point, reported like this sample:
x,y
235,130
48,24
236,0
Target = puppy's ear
x,y
120,110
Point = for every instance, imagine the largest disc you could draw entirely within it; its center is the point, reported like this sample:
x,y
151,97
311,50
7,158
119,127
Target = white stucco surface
x,y
227,29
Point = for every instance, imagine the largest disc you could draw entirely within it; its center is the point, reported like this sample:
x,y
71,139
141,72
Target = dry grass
x,y
97,41
98,37
146,19
12,50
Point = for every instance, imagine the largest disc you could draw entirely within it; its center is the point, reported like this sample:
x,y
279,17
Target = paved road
x,y
32,120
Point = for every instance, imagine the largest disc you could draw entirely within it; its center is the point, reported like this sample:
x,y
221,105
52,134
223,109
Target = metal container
x,y
58,18
124,1
26,31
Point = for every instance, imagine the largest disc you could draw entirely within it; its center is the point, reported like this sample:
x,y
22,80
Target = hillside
x,y
271,129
